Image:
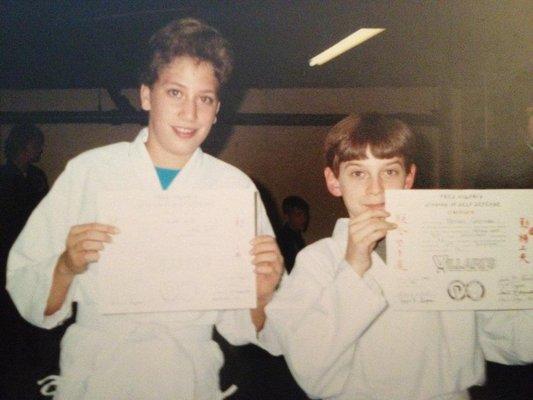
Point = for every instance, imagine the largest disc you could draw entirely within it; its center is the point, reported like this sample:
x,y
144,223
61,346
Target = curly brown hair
x,y
191,38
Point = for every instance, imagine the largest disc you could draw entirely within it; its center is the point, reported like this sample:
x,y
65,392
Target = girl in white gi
x,y
339,338
154,355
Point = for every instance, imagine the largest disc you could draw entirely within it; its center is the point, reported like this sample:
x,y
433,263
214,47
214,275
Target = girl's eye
x,y
174,93
207,100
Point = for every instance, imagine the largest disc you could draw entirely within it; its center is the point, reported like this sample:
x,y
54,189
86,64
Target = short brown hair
x,y
192,38
386,137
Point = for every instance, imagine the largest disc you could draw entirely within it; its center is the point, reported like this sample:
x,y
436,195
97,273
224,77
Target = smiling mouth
x,y
184,133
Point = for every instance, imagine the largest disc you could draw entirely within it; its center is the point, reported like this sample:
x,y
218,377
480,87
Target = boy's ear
x,y
145,97
410,178
332,182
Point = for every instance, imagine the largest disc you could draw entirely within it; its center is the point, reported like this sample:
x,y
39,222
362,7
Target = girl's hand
x,y
84,243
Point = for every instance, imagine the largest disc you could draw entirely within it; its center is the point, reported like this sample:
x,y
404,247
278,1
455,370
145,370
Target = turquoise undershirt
x,y
166,176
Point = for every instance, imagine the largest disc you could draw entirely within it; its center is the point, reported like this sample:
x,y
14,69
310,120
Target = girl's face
x,y
182,105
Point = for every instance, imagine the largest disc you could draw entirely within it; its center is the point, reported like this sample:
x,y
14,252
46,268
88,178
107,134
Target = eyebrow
x,y
359,163
395,161
181,85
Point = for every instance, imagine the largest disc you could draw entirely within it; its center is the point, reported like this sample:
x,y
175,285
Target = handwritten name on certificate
x,y
180,251
460,249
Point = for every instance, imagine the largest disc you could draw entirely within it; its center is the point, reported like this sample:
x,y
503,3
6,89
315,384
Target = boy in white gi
x,y
153,355
340,339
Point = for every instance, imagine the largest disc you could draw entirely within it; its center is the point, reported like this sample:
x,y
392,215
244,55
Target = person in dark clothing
x,y
290,238
26,353
22,184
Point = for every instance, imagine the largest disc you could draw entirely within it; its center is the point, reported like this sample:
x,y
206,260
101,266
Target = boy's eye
x,y
357,173
391,172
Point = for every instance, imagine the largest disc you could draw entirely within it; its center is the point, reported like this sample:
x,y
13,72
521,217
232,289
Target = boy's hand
x,y
364,232
84,243
268,263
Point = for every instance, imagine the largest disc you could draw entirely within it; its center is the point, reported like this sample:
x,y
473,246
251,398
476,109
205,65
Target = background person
x,y
290,236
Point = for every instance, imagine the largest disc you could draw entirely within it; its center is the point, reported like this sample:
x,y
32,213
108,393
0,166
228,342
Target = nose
x,y
188,110
375,186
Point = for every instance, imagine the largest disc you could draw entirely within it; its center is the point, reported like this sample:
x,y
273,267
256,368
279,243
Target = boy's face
x,y
182,104
362,183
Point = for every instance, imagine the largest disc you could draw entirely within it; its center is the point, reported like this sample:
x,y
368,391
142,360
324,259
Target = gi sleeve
x,y
318,316
506,337
33,257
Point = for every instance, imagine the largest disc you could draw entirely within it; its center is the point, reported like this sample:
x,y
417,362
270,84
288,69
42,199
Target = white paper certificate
x,y
185,251
460,249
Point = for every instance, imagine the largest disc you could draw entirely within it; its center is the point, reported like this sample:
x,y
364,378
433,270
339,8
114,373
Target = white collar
x,y
146,169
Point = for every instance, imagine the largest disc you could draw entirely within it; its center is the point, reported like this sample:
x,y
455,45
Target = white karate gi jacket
x,y
342,342
137,356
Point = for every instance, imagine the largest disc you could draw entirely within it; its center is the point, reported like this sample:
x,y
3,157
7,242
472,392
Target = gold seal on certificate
x,y
473,290
457,290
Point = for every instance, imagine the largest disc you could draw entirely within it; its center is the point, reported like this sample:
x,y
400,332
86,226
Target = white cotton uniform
x,y
134,356
342,342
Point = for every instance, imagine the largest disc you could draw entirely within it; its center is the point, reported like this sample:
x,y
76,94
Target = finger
x,y
90,235
268,271
265,269
380,214
368,234
97,236
266,247
368,229
94,226
91,256
267,257
264,243
88,245
375,237
269,267
260,239
371,224
77,263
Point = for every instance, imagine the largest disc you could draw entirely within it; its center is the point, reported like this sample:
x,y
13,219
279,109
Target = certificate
x,y
460,249
182,251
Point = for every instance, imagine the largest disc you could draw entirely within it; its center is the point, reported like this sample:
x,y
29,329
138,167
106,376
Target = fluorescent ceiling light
x,y
345,44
